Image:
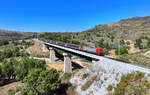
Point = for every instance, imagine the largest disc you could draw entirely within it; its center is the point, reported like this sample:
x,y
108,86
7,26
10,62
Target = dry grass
x,y
71,91
58,66
112,53
36,49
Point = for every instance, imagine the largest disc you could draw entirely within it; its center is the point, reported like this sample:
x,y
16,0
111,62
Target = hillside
x,y
4,34
130,29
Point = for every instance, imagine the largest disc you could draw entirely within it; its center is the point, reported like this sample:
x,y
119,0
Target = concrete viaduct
x,y
70,52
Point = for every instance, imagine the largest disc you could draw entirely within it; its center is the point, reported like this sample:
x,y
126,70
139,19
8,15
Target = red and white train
x,y
97,51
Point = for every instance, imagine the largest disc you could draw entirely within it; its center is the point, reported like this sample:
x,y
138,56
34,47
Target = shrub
x,y
4,42
67,76
148,43
7,69
110,88
133,84
18,88
25,65
101,43
42,82
122,51
85,75
0,71
87,85
11,92
76,42
138,43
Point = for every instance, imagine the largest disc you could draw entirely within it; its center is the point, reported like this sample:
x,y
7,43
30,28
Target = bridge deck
x,y
93,56
117,64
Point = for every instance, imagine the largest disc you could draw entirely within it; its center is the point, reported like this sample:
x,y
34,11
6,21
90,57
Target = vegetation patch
x,y
132,84
85,75
18,70
87,85
67,76
18,88
137,58
110,87
11,92
42,82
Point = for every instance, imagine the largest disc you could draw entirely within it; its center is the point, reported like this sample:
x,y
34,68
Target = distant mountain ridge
x,y
5,34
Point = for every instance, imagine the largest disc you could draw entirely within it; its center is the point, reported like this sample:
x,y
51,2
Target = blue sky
x,y
66,15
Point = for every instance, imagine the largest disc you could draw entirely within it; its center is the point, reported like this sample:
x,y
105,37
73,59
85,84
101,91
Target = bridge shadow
x,y
65,89
59,56
76,66
62,90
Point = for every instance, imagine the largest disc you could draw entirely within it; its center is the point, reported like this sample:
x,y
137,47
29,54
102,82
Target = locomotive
x,y
93,50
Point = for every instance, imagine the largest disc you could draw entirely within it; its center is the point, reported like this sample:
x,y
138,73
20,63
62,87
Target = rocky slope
x,y
96,79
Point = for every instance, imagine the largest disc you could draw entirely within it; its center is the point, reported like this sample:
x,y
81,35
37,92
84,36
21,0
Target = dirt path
x,y
4,89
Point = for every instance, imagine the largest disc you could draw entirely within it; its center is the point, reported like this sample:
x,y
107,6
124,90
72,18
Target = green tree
x,y
42,82
101,43
76,42
148,43
7,53
64,38
25,65
21,69
32,80
14,63
0,71
48,81
138,43
7,69
4,42
122,51
11,92
34,63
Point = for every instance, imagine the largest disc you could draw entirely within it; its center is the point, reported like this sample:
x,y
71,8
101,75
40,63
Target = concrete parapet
x,y
67,63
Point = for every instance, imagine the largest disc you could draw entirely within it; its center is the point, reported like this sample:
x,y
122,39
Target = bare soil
x,y
59,65
131,45
112,53
37,49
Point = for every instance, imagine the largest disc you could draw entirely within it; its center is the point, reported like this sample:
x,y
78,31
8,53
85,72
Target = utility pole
x,y
71,38
119,41
118,48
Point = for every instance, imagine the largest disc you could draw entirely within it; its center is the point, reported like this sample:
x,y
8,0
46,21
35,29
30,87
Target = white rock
x,y
109,72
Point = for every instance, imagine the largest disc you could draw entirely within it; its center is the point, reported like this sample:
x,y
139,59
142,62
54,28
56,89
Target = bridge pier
x,y
52,55
67,63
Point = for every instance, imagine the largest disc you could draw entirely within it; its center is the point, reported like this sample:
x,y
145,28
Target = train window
x,y
101,49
